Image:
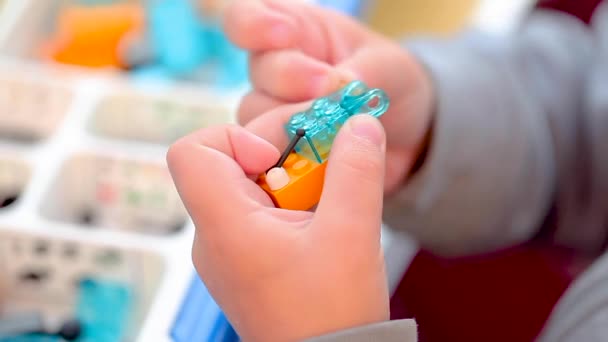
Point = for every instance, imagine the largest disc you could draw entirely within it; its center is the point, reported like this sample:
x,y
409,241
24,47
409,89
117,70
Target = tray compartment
x,y
109,290
14,176
153,118
100,191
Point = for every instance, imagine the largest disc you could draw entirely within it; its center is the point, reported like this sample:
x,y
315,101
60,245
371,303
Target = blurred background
x,y
94,241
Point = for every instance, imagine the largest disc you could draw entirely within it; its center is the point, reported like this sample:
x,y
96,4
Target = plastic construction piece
x,y
305,184
312,134
175,34
90,35
327,115
300,133
200,319
180,43
104,309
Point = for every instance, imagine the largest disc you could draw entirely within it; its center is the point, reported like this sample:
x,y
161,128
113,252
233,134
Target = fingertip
x,y
362,135
175,154
367,128
354,180
254,154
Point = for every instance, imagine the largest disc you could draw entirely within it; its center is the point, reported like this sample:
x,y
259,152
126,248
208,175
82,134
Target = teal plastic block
x,y
185,43
328,114
104,309
31,338
175,31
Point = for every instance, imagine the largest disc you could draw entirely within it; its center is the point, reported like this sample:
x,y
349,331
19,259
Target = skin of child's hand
x,y
282,275
301,51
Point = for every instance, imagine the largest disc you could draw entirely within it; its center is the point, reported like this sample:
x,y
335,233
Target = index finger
x,y
210,169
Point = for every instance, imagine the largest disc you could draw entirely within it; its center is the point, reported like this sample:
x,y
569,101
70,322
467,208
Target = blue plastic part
x,y
103,308
231,62
31,338
328,114
200,318
175,32
184,42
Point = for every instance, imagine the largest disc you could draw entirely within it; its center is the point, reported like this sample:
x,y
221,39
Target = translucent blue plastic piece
x,y
327,115
231,62
175,33
184,43
104,309
200,319
31,338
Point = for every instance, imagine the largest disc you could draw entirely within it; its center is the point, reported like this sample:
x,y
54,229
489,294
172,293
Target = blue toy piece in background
x,y
230,62
175,34
187,45
104,310
327,115
200,318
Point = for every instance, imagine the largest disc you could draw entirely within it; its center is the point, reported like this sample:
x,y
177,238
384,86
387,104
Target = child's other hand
x,y
283,275
301,51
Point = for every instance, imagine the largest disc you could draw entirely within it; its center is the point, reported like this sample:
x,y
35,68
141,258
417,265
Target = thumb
x,y
353,190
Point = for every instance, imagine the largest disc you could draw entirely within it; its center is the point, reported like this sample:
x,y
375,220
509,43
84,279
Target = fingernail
x,y
367,127
347,76
333,81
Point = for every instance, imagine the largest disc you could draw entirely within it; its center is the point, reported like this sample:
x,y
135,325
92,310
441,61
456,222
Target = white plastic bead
x,y
277,178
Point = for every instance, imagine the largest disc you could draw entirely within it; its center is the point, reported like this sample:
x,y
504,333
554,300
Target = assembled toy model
x,y
296,181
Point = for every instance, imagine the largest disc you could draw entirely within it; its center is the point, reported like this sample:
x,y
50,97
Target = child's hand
x,y
284,275
300,52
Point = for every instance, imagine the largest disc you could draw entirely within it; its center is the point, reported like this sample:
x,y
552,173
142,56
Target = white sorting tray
x,y
80,175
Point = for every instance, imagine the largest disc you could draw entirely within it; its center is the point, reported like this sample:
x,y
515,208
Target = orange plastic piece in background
x,y
91,35
304,189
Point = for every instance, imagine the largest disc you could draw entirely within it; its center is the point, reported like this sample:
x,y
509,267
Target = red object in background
x,y
582,9
505,296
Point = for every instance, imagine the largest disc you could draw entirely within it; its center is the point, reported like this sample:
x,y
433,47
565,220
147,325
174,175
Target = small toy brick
x,y
90,35
327,115
305,184
296,182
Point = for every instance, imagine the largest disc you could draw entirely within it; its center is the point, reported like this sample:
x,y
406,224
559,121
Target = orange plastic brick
x,y
305,186
91,35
